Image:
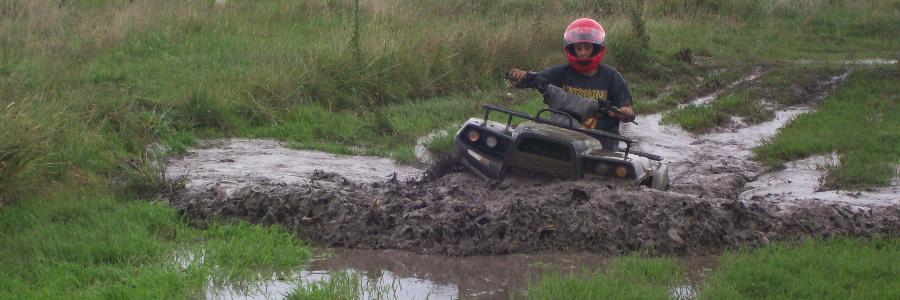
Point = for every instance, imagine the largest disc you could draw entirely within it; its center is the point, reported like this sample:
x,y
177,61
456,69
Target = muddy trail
x,y
355,202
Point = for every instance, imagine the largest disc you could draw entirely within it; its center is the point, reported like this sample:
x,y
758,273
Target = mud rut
x,y
448,211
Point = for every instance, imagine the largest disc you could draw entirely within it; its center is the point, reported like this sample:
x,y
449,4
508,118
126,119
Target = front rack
x,y
597,134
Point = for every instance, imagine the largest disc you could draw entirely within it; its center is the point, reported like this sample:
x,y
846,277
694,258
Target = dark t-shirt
x,y
607,84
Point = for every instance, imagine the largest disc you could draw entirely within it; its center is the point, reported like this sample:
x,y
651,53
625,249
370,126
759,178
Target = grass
x,y
856,122
836,268
628,277
344,285
841,268
83,244
656,96
702,118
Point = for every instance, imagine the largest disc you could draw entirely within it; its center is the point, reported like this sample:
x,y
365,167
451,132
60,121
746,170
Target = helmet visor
x,y
584,35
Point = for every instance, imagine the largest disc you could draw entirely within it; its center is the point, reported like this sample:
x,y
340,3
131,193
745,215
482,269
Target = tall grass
x,y
110,77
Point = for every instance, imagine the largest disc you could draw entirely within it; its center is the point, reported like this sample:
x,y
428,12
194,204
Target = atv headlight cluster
x,y
611,169
474,136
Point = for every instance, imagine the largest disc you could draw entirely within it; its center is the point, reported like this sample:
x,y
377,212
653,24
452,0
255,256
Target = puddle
x,y
754,74
394,274
683,292
471,277
229,164
800,181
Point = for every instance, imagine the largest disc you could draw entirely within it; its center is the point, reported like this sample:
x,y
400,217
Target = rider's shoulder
x,y
604,68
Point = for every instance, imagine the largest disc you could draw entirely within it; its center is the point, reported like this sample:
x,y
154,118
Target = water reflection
x,y
471,277
394,274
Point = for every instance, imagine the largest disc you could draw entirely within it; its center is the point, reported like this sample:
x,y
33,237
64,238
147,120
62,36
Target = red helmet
x,y
585,30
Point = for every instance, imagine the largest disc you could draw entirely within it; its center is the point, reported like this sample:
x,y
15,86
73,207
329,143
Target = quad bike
x,y
556,145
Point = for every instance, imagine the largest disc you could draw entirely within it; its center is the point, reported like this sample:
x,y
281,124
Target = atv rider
x,y
585,76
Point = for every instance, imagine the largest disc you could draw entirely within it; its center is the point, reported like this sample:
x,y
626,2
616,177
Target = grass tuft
x,y
629,277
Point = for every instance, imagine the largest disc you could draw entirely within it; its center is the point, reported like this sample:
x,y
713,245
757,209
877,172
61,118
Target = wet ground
x,y
720,199
397,274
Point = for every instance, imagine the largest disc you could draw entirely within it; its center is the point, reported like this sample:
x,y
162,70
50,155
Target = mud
x,y
458,214
370,203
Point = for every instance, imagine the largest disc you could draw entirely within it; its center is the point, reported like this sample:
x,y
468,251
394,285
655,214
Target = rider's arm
x,y
620,96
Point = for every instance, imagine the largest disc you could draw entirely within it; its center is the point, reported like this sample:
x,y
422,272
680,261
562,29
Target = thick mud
x,y
459,214
369,203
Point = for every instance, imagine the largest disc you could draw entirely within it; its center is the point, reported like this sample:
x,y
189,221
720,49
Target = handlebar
x,y
571,125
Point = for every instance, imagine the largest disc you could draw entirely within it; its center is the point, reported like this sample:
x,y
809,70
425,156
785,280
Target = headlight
x,y
621,171
491,141
474,135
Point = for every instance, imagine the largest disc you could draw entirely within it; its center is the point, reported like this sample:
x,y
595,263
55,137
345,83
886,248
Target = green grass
x,y
628,277
840,268
702,118
83,244
858,122
837,268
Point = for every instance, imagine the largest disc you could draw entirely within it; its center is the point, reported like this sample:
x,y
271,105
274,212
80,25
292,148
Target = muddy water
x,y
394,274
234,163
470,277
799,182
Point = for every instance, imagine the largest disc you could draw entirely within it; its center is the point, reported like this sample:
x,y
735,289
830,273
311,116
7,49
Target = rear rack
x,y
597,134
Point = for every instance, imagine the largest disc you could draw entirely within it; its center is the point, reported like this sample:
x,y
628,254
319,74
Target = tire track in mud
x,y
454,213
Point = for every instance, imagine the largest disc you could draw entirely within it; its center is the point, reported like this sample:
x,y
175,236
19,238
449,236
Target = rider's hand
x,y
516,74
626,114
